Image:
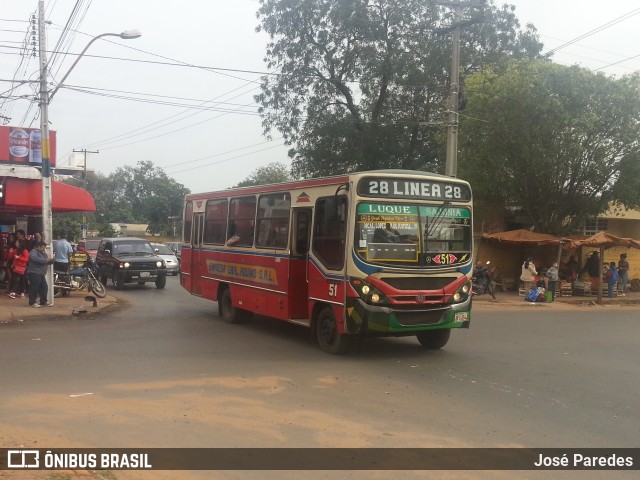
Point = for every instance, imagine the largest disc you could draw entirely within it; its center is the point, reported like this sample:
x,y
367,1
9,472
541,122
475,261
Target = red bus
x,y
384,252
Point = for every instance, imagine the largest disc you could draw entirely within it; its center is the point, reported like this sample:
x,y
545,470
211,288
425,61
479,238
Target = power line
x,y
170,64
220,154
616,63
227,159
85,89
602,27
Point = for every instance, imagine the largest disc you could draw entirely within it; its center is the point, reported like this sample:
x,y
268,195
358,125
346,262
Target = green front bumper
x,y
383,320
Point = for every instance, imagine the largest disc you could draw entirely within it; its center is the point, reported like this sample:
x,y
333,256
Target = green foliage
x,y
363,84
135,194
275,172
106,230
559,142
68,225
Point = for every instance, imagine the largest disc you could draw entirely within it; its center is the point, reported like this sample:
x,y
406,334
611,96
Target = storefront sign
x,y
23,146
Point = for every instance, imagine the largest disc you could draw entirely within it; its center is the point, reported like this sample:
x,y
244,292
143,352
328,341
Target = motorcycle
x,y
482,280
85,277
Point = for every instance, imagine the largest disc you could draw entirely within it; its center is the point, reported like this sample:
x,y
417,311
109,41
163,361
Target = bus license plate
x,y
461,316
147,274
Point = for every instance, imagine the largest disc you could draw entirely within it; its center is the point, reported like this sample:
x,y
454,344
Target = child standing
x,y
612,279
552,274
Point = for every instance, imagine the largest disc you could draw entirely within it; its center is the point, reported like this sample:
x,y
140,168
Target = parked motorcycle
x,y
482,280
82,278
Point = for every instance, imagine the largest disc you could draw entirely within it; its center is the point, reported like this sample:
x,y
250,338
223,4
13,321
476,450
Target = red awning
x,y
24,197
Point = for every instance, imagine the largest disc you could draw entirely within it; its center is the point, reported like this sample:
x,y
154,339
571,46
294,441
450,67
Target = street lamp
x,y
45,98
126,35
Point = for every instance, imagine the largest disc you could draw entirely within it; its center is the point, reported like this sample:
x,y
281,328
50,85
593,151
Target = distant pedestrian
x,y
623,273
592,265
9,255
62,250
552,275
612,279
528,275
37,275
35,241
18,279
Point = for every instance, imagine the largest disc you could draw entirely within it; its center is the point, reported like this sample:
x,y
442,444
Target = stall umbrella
x,y
603,241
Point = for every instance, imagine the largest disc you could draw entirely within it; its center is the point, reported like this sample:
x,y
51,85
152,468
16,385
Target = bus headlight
x,y
462,294
368,293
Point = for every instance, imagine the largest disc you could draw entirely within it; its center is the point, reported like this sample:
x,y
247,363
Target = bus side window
x,y
302,232
328,231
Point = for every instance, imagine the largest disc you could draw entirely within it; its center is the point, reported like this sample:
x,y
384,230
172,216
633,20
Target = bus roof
x,y
313,182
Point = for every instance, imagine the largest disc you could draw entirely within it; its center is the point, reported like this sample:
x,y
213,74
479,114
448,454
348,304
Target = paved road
x,y
167,372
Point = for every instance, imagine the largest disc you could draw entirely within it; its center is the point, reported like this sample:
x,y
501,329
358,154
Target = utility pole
x,y
84,151
47,222
451,162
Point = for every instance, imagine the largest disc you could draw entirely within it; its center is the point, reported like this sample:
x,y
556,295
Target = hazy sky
x,y
219,143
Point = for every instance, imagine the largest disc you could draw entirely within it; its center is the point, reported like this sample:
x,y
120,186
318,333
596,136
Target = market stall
x,y
508,249
603,241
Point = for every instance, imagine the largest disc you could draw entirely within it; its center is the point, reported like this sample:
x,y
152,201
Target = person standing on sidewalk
x,y
37,275
18,280
528,275
623,273
612,279
552,274
62,249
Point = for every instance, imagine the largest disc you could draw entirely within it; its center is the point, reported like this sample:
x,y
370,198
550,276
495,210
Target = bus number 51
x,y
333,290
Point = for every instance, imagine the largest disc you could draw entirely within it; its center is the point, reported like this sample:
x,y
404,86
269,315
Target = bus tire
x,y
329,339
434,339
229,313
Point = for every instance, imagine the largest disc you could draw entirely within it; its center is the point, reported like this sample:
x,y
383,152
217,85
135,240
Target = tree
x,y
362,84
68,225
140,194
155,198
558,142
274,172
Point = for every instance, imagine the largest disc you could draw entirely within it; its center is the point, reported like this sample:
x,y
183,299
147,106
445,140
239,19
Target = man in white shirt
x,y
62,250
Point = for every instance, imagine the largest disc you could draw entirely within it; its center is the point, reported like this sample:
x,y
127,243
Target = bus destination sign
x,y
413,189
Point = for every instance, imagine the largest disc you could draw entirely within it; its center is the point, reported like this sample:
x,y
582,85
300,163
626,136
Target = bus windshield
x,y
413,235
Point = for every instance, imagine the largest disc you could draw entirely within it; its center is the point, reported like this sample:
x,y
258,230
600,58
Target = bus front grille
x,y
418,283
424,317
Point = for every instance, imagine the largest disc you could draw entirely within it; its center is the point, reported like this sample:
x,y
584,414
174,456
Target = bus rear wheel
x,y
434,339
229,313
329,338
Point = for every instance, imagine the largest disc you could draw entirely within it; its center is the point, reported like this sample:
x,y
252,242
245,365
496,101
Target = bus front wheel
x,y
329,338
229,313
434,339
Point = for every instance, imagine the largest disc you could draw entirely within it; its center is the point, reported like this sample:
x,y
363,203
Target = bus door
x,y
327,259
299,265
197,257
